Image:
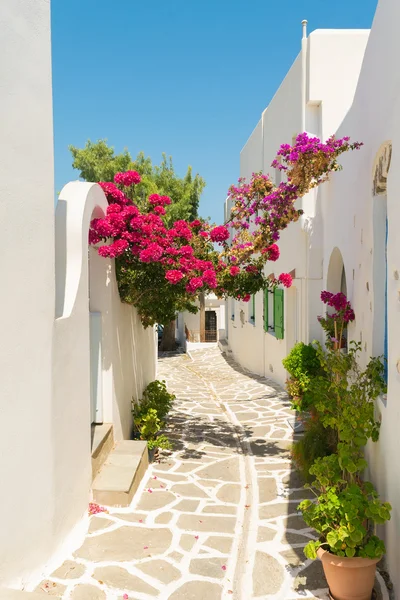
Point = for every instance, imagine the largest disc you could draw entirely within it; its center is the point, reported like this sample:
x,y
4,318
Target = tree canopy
x,y
97,162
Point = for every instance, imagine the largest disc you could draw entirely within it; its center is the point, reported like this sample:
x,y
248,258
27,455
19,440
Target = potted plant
x,y
346,509
148,415
344,516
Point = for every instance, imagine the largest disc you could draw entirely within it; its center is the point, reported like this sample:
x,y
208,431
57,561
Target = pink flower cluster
x,y
285,279
219,234
127,178
144,237
157,200
341,305
174,276
194,284
312,145
113,194
95,509
272,252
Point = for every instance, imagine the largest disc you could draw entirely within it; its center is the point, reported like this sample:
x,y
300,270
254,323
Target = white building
x,y
347,239
66,337
314,96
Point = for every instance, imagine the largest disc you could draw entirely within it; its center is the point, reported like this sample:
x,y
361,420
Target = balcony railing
x,y
193,335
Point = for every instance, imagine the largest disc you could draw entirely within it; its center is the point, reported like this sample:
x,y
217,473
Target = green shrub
x,y
149,412
316,442
302,363
156,396
161,442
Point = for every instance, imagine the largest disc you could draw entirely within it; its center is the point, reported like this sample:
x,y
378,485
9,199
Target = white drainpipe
x,y
303,76
303,129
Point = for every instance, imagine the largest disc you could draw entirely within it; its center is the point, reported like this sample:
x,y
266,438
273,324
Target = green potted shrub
x,y
344,516
148,415
346,509
302,364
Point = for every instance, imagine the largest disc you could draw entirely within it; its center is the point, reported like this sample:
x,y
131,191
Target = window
x,y
252,310
232,309
273,312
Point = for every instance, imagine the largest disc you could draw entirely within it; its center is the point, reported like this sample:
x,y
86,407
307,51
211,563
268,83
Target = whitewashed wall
x,y
27,474
350,215
331,81
128,350
45,454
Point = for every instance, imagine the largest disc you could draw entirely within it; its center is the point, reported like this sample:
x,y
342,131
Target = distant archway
x,y
336,280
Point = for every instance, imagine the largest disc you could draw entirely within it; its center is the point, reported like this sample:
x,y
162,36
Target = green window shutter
x,y
278,314
265,310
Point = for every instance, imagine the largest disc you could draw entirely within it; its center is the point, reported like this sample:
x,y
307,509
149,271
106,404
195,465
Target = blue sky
x,y
185,77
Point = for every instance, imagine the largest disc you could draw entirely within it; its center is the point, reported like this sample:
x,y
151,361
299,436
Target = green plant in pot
x,y
345,515
148,415
347,509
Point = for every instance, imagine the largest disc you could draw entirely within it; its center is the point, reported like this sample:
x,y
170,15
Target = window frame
x,y
271,311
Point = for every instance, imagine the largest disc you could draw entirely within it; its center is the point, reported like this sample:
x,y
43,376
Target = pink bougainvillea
x,y
95,509
174,276
128,178
285,279
161,269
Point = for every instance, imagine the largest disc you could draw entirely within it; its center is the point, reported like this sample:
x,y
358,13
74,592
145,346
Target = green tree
x,y
97,161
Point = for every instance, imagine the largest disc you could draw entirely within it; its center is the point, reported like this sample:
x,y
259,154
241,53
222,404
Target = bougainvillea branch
x,y
335,323
161,269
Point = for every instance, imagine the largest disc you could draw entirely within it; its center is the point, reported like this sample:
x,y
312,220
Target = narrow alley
x,y
217,518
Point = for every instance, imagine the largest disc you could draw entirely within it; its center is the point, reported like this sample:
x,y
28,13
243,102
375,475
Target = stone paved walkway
x,y
215,520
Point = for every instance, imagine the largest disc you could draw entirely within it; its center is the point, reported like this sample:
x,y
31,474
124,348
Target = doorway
x,y
211,326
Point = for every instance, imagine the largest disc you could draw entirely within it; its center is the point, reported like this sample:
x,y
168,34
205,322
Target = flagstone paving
x,y
217,518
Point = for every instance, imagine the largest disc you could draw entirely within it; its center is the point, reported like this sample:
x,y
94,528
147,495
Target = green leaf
x,y
310,550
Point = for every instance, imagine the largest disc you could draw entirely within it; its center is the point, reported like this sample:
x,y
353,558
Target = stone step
x,y
223,345
121,473
102,444
6,594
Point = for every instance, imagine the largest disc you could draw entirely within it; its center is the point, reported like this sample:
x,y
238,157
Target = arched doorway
x,y
380,239
336,280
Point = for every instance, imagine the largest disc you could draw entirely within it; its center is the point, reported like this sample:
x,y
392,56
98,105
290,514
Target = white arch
x,y
335,271
79,202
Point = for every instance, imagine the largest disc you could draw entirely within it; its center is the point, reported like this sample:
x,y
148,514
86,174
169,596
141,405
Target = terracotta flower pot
x,y
348,578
